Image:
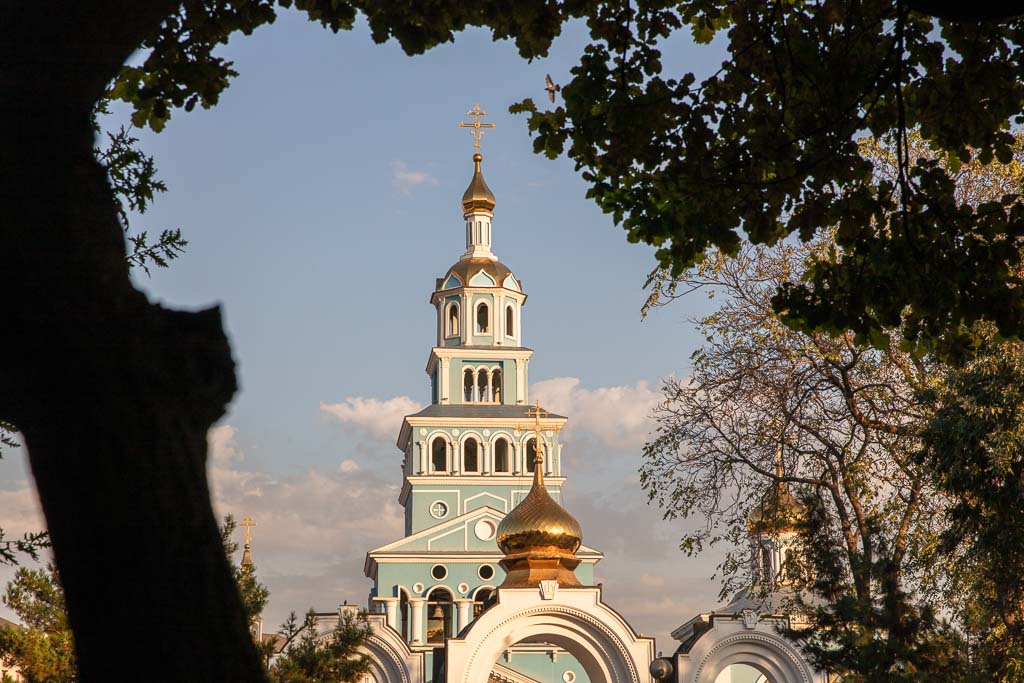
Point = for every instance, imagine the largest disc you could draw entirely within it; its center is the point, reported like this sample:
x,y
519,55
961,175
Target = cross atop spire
x,y
247,523
477,127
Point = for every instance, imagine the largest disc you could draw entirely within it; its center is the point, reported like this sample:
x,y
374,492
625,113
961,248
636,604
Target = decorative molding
x,y
773,643
611,637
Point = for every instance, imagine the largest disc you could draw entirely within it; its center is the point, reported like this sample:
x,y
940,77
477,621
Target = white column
x,y
464,613
417,606
456,458
486,466
516,469
390,611
549,458
424,459
558,468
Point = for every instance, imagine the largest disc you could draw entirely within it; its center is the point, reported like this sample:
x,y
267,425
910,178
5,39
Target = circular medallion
x,y
438,509
417,588
568,677
487,432
455,432
423,431
485,529
463,588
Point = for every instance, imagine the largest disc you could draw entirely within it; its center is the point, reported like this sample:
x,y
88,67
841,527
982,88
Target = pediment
x,y
455,535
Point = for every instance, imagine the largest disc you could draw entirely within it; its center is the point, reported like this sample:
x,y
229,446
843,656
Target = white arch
x,y
391,660
769,653
577,621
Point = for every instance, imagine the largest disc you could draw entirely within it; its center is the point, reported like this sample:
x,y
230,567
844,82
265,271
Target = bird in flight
x,y
551,87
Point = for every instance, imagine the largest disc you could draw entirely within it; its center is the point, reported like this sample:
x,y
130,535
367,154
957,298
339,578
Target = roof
x,y
470,410
7,623
466,268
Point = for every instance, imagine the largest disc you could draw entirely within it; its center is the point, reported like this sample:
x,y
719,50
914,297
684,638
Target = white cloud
x,y
307,520
403,179
379,417
619,416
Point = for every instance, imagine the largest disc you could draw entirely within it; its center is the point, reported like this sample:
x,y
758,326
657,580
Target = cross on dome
x,y
477,127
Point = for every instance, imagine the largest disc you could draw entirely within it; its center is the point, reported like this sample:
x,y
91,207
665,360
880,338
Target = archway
x,y
576,620
774,658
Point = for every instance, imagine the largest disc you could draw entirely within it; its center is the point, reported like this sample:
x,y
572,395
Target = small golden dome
x,y
779,511
478,195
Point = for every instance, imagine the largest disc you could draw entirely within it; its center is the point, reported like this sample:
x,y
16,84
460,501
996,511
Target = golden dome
x,y
539,522
779,510
467,268
478,195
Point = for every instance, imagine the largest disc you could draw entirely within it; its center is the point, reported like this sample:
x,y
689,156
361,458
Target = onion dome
x,y
779,511
477,196
539,539
467,268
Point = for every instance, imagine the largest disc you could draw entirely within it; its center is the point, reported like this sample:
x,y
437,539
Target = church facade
x,y
491,581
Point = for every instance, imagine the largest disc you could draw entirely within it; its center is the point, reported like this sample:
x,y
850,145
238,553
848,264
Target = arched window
x,y
453,320
496,385
483,319
467,385
510,321
470,455
531,455
501,455
766,563
481,386
439,615
438,455
481,601
403,616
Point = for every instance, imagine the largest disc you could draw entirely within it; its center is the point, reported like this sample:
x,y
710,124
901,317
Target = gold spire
x,y
478,195
247,524
539,538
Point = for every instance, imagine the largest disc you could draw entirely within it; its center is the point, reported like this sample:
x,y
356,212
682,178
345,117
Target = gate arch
x,y
605,645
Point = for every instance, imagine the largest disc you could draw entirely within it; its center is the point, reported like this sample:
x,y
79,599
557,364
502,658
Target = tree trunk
x,y
114,395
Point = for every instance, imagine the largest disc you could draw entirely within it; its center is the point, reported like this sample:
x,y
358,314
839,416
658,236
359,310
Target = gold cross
x,y
477,133
537,413
247,524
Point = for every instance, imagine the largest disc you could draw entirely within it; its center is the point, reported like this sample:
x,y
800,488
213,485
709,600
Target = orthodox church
x,y
491,580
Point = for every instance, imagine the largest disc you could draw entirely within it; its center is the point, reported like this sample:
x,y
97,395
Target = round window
x,y
439,572
486,572
438,509
484,529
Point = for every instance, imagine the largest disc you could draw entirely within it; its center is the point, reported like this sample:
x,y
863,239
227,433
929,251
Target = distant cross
x,y
247,524
477,127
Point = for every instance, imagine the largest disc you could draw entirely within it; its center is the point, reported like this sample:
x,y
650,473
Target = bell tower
x,y
469,458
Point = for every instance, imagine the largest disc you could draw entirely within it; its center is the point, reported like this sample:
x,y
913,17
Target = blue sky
x,y
321,199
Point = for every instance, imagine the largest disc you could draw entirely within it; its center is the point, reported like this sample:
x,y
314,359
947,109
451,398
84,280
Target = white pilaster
x,y
424,458
445,380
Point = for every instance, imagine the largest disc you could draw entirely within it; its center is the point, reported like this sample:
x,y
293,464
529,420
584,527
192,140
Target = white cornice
x,y
450,352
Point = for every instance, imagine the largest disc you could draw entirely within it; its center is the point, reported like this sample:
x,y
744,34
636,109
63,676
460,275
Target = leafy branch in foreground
x,y
133,179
